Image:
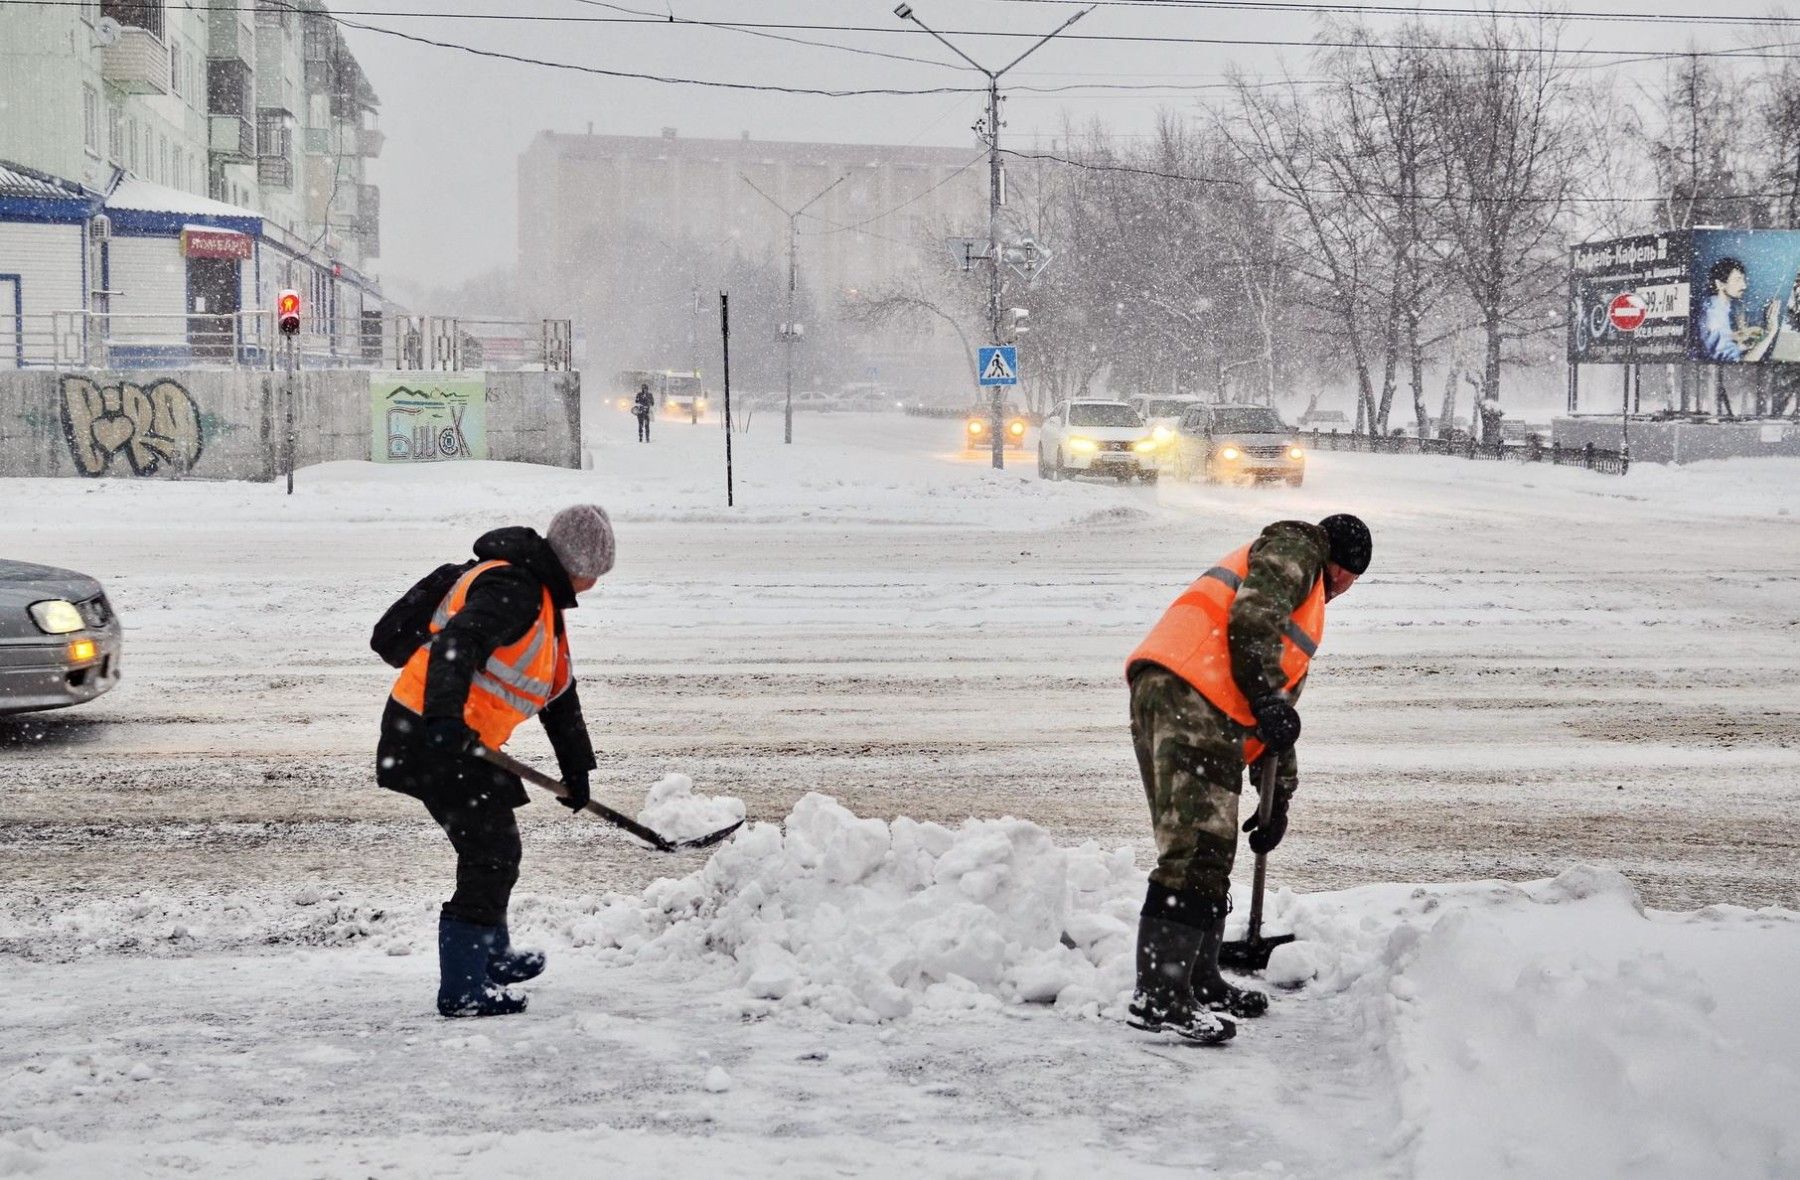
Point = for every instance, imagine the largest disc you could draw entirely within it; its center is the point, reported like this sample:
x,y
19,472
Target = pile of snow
x,y
672,809
1628,1041
864,920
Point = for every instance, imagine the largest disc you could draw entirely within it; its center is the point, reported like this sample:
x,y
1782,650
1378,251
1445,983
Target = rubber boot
x,y
1164,1000
508,964
1211,988
463,988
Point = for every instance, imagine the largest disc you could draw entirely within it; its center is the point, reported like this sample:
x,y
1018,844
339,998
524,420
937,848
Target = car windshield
x,y
1165,408
1103,414
1247,420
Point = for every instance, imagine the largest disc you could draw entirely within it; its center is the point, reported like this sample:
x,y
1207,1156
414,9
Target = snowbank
x,y
673,810
865,920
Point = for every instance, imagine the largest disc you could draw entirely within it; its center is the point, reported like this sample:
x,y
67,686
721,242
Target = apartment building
x,y
220,148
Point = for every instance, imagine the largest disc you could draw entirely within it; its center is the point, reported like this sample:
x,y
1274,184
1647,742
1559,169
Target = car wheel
x,y
1043,468
1294,481
1059,471
1148,476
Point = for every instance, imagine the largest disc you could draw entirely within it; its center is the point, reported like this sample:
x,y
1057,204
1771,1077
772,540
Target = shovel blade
x,y
1251,954
708,840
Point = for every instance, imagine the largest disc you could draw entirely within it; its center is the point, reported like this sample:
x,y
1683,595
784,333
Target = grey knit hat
x,y
582,538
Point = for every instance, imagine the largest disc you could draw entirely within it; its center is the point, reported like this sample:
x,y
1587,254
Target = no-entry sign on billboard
x,y
1626,312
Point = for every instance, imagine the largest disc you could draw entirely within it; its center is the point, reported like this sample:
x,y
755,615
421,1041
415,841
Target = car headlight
x,y
701,403
1144,445
1016,429
1231,454
1162,434
976,426
56,617
1084,445
1296,453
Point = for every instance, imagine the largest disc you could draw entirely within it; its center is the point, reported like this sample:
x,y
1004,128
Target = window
x,y
115,133
90,119
177,74
131,146
136,14
162,159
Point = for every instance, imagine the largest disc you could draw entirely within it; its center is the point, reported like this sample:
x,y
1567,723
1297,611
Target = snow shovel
x,y
1252,953
655,839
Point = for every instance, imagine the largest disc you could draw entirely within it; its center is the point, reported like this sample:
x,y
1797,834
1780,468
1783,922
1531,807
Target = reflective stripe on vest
x,y
515,683
1192,641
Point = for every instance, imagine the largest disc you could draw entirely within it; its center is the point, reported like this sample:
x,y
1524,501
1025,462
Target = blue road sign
x,y
999,364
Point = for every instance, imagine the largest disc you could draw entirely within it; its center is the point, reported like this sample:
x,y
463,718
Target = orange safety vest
x,y
518,679
1190,640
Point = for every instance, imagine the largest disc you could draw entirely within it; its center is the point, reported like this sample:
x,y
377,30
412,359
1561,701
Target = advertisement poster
x,y
1655,266
426,417
1718,296
1746,305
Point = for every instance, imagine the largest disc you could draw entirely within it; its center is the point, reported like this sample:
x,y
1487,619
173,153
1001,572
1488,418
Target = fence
x,y
1532,450
250,340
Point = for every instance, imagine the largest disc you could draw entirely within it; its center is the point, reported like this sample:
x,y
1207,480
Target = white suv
x,y
1101,437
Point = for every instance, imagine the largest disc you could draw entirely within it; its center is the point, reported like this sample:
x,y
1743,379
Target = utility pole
x,y
789,330
996,198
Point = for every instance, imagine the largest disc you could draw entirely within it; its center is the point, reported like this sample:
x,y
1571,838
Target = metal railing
x,y
250,340
1531,450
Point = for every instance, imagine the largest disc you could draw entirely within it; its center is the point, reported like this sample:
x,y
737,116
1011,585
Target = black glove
x,y
577,786
1277,723
448,735
1263,840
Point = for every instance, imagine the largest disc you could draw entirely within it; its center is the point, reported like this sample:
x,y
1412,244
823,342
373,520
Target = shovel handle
x,y
1265,810
538,778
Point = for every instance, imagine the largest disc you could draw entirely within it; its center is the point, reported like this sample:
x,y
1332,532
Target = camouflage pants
x,y
1191,756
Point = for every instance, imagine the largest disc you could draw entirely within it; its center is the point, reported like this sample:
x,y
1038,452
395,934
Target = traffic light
x,y
287,312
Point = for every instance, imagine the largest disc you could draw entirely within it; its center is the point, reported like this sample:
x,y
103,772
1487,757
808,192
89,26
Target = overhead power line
x,y
1315,8
1009,34
1094,166
885,213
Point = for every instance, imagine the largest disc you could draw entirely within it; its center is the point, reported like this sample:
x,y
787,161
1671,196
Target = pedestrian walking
x,y
1213,688
643,407
497,655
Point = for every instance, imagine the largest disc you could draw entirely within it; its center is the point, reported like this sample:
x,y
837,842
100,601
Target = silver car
x,y
59,639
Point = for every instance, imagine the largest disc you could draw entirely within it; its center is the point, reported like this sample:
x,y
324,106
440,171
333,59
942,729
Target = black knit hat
x,y
1350,541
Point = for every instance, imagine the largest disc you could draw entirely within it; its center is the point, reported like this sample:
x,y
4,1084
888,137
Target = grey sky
x,y
456,123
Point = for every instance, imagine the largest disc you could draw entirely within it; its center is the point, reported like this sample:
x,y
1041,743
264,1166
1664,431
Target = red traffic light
x,y
287,312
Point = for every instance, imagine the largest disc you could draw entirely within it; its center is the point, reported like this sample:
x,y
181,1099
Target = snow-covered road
x,y
1545,668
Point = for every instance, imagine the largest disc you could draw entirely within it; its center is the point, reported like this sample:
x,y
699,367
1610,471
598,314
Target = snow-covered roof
x,y
16,180
140,207
145,197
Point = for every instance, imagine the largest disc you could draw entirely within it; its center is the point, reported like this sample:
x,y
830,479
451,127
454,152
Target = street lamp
x,y
996,191
790,331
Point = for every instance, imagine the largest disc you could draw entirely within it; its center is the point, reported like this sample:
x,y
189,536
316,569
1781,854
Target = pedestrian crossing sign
x,y
999,365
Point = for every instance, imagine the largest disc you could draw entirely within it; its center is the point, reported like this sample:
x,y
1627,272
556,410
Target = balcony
x,y
137,63
275,172
370,142
230,38
231,138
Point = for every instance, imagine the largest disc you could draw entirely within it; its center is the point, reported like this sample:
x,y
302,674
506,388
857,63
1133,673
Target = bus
x,y
678,395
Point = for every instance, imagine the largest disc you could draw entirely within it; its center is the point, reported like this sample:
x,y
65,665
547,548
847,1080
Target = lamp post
x,y
791,331
996,195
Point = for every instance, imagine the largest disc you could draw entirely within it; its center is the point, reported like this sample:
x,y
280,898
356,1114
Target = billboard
x,y
1719,296
425,417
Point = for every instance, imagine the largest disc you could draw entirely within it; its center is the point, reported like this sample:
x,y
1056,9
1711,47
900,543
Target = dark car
x,y
59,638
1233,443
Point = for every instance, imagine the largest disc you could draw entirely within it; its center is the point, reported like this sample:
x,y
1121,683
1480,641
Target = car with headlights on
x,y
979,421
1162,414
1091,436
59,639
1235,443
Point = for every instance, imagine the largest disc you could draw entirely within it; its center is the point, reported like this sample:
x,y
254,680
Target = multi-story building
x,y
221,146
593,207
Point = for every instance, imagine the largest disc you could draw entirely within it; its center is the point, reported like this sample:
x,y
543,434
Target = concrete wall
x,y
1682,442
229,424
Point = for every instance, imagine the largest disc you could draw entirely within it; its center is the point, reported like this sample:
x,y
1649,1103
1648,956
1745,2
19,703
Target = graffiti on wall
x,y
157,428
421,418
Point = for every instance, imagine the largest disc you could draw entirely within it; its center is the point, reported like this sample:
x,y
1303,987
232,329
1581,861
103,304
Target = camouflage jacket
x,y
1285,562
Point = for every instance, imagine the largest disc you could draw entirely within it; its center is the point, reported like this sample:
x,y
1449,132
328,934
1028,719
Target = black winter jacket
x,y
500,608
